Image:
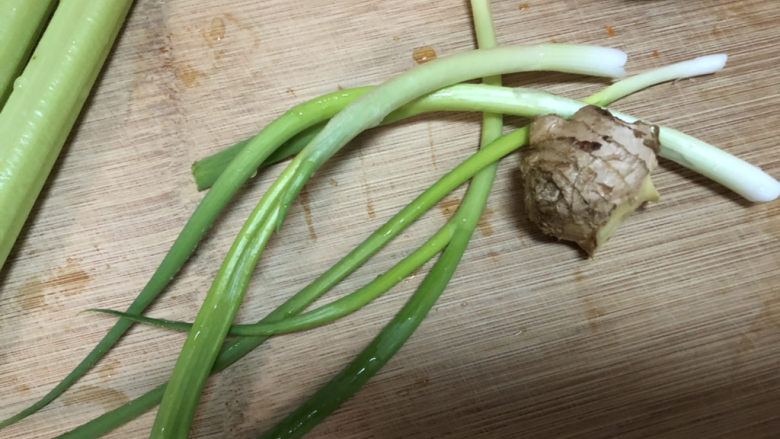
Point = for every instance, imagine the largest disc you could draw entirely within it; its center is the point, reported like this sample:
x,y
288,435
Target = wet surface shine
x,y
422,55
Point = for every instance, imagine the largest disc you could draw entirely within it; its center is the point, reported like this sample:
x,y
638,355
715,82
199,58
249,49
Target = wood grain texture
x,y
672,331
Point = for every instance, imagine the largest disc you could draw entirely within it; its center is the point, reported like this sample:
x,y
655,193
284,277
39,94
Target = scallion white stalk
x,y
212,323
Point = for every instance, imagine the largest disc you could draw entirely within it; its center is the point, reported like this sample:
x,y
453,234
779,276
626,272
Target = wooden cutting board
x,y
673,330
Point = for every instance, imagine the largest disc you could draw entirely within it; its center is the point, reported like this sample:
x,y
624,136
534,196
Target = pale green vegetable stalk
x,y
221,304
235,349
21,22
393,336
467,97
519,102
45,101
746,179
732,172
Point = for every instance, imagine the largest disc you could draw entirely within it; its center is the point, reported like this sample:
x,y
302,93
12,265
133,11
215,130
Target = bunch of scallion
x,y
314,131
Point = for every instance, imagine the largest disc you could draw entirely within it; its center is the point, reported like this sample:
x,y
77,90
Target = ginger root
x,y
583,176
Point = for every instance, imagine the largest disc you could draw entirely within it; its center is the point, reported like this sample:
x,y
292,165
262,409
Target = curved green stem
x,y
732,172
329,397
465,98
393,336
304,119
207,170
702,65
326,313
513,101
486,157
236,349
243,167
212,323
523,101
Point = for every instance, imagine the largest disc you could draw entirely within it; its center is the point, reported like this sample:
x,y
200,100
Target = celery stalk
x,y
45,101
21,22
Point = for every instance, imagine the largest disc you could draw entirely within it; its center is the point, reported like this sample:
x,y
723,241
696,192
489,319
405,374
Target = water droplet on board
x,y
422,55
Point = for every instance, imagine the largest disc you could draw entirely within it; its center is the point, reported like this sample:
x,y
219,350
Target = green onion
x,y
327,313
207,170
462,173
743,178
211,325
369,361
518,102
258,149
278,132
45,101
537,103
236,349
510,101
21,22
258,240
347,382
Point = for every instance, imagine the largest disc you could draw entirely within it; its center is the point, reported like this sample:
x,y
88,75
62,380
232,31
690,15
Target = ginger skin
x,y
583,176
